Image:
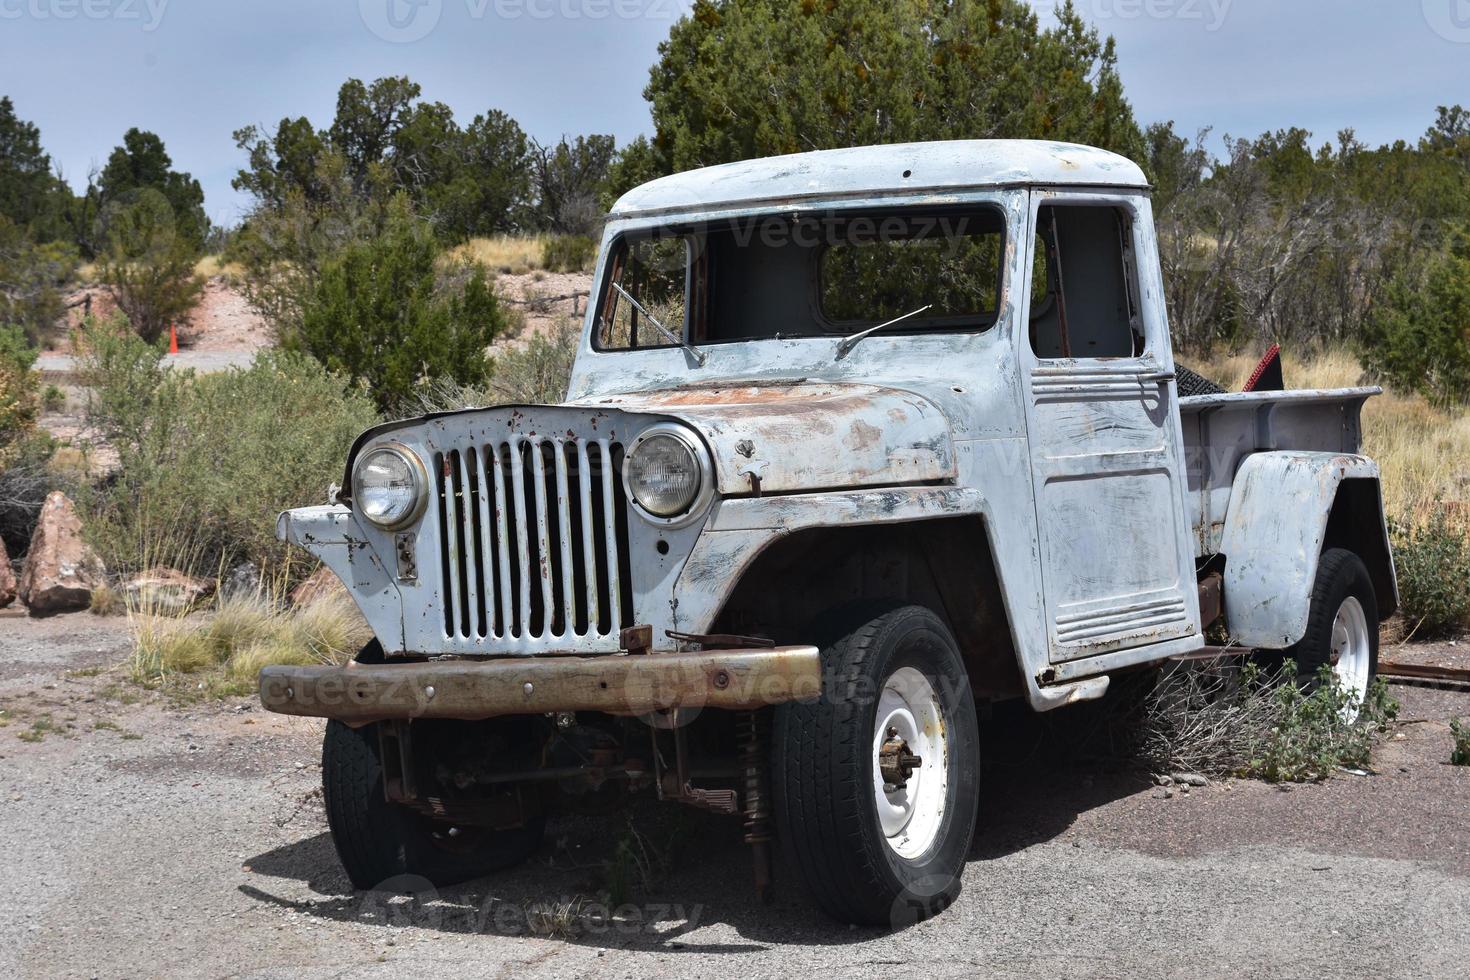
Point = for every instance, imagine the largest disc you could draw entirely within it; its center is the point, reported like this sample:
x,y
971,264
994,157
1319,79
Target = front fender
x,y
332,534
1275,529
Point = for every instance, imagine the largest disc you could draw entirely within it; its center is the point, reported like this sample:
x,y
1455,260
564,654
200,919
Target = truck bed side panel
x,y
1221,431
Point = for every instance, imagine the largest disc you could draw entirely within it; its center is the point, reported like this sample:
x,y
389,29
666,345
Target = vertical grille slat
x,y
543,540
564,523
610,537
472,553
534,548
523,545
452,532
502,544
487,546
589,564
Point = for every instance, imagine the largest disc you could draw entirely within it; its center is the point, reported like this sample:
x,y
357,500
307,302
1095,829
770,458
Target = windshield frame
x,y
694,229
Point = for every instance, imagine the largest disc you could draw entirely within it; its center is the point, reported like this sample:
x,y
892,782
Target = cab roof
x,y
870,171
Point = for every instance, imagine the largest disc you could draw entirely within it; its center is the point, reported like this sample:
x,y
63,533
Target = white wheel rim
x,y
1351,653
911,814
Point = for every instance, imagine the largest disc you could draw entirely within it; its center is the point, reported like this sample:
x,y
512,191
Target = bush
x,y
1216,719
1416,338
148,268
1460,731
381,314
1432,556
207,461
568,253
24,450
534,374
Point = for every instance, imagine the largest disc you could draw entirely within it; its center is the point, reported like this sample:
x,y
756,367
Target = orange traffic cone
x,y
173,339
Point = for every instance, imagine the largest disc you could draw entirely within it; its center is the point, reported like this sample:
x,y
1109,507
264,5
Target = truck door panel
x,y
1104,441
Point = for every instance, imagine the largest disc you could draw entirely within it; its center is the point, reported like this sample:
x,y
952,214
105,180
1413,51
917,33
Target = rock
x,y
243,582
7,578
1190,779
167,591
1163,780
323,583
60,570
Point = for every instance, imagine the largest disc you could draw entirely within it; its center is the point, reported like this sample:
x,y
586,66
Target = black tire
x,y
1340,575
823,774
378,841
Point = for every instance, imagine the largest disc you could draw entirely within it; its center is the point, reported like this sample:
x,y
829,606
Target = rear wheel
x,y
877,783
1342,629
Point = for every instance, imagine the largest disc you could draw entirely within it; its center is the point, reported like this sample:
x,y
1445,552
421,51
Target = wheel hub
x,y
895,761
910,762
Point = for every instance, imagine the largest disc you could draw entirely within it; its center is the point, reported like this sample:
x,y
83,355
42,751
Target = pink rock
x,y
61,569
7,578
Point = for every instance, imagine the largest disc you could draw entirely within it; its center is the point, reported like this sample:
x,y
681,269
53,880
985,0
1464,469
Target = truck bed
x,y
1221,430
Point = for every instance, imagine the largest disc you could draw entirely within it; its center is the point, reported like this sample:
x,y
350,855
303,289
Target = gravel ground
x,y
150,838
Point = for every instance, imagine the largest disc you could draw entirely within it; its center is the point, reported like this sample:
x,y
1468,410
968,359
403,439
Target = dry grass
x,y
506,254
242,635
1423,450
212,265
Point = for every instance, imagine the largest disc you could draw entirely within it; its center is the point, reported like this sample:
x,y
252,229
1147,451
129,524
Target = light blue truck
x,y
856,441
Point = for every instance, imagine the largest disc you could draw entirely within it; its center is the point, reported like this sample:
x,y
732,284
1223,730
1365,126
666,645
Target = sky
x,y
195,71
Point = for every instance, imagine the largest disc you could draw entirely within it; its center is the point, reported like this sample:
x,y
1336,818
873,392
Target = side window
x,y
646,280
1088,306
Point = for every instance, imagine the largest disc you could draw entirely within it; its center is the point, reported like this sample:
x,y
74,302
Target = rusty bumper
x,y
628,684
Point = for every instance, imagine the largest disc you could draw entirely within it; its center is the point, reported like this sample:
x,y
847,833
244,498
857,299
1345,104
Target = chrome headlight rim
x,y
702,497
417,471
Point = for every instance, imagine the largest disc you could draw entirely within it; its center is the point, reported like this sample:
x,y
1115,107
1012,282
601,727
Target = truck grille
x,y
535,543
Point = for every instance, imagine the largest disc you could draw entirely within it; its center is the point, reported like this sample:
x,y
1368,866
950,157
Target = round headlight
x,y
664,475
388,489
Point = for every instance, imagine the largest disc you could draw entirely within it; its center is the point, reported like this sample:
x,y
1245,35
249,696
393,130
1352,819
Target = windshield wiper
x,y
699,356
848,343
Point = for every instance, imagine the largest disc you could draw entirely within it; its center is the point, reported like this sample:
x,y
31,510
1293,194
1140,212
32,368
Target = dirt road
x,y
153,839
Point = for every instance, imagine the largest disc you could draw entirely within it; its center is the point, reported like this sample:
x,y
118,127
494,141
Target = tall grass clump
x,y
510,255
206,462
242,634
1217,719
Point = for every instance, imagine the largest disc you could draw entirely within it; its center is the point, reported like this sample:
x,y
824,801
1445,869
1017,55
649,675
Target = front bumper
x,y
625,684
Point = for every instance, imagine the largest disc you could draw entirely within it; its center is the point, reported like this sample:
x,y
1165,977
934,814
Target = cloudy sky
x,y
194,71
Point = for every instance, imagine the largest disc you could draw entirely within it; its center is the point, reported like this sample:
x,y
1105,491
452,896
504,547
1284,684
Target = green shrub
x,y
1415,339
1460,731
568,253
384,313
207,461
24,449
1432,556
148,267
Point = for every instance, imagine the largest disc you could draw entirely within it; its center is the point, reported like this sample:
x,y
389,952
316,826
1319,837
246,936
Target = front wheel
x,y
877,783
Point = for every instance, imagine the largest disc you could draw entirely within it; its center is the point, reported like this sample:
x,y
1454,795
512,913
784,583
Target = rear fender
x,y
1276,527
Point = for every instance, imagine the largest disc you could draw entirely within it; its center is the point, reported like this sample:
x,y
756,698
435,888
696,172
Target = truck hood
x,y
791,437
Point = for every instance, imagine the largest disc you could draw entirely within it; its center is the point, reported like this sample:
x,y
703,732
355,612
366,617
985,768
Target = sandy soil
x,y
535,295
222,321
154,839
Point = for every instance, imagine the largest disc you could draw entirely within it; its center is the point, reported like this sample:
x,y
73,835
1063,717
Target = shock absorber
x,y
756,796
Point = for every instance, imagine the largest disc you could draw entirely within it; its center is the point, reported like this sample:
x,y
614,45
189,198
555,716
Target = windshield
x,y
807,275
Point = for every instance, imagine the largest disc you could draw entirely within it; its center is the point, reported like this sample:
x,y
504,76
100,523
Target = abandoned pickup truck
x,y
857,441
